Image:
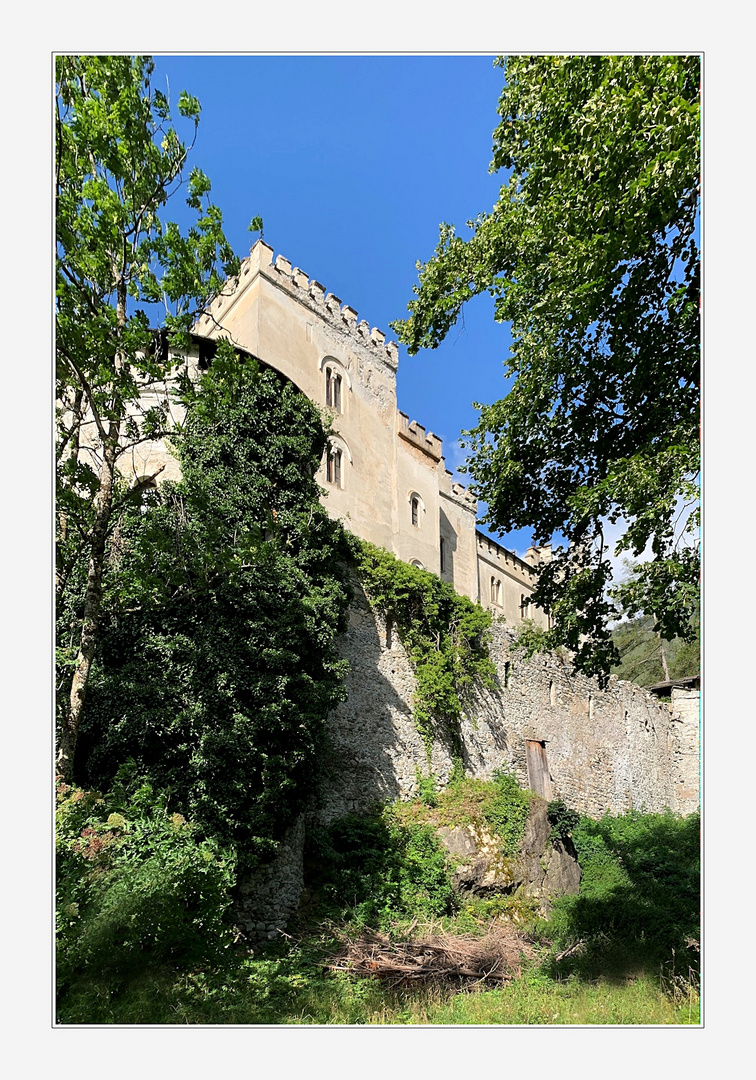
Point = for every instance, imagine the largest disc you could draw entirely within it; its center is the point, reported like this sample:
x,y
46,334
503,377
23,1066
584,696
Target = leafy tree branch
x,y
591,253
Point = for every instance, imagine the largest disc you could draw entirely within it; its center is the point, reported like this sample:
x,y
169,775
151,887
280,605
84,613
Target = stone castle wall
x,y
614,750
606,750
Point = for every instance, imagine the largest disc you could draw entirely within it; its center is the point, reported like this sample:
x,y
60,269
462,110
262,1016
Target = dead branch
x,y
569,952
434,957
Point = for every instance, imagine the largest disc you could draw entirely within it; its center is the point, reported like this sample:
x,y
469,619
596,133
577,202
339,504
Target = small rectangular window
x,y
337,468
329,388
337,393
415,512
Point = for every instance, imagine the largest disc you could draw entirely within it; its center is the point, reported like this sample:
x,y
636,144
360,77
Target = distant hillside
x,y
641,653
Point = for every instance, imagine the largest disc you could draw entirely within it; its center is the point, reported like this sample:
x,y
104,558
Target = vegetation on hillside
x,y
645,658
624,951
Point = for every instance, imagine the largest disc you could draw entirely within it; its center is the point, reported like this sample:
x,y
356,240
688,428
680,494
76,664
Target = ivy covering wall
x,y
218,664
445,635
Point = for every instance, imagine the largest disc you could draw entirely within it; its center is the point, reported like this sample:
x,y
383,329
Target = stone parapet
x,y
503,559
415,433
615,749
308,292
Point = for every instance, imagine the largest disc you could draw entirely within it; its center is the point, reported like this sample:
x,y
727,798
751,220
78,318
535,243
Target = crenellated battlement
x,y
415,433
306,290
461,492
494,552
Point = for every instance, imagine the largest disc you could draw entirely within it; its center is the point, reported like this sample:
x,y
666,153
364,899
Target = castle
x,y
557,731
385,476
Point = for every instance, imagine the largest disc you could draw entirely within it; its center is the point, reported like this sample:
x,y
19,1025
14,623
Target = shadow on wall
x,y
448,542
375,748
369,732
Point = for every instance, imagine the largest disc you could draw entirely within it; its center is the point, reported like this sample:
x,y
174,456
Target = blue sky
x,y
353,162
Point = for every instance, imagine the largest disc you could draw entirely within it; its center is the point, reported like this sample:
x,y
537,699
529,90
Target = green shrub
x,y
562,821
506,810
639,899
374,870
427,788
137,887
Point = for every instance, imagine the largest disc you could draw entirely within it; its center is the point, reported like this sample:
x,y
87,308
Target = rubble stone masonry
x,y
617,749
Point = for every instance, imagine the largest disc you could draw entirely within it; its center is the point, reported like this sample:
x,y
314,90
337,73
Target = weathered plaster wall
x,y
685,708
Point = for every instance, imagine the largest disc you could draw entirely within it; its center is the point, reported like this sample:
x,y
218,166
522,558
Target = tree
x,y
217,664
645,656
118,161
591,252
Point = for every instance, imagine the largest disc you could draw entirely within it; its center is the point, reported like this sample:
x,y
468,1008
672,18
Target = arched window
x,y
338,456
416,508
524,606
417,563
337,382
495,591
333,388
333,466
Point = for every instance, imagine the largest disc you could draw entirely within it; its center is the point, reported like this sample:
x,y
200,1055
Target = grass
x,y
286,990
629,938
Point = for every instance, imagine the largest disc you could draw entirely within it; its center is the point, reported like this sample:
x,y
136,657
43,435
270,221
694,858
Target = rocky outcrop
x,y
547,867
481,868
543,869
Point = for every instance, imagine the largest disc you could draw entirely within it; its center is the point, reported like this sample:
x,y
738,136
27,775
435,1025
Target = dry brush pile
x,y
435,956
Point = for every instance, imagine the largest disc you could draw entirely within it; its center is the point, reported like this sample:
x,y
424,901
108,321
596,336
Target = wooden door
x,y
538,769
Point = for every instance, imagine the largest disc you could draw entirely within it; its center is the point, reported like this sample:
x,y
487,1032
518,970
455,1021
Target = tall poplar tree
x,y
119,159
591,253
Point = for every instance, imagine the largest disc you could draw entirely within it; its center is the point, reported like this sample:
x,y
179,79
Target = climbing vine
x,y
218,663
445,635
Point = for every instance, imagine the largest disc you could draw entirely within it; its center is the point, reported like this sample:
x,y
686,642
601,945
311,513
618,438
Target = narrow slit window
x,y
442,554
415,512
329,388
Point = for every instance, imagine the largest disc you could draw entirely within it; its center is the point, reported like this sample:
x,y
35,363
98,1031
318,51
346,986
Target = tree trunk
x,y
92,602
663,656
93,596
